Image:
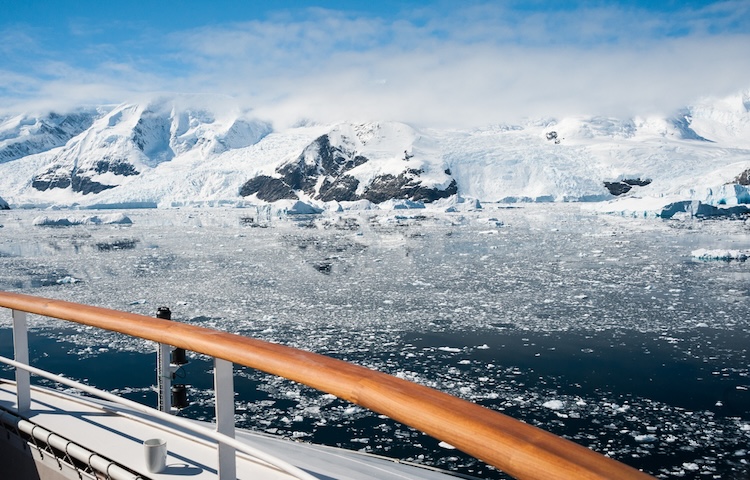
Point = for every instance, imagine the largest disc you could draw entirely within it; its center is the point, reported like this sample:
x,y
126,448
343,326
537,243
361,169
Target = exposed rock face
x,y
617,188
406,186
321,172
624,186
743,178
4,205
342,189
80,179
322,161
268,188
52,178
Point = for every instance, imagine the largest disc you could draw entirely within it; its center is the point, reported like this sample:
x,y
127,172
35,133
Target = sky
x,y
428,63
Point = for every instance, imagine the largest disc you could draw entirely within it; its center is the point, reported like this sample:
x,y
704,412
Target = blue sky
x,y
426,62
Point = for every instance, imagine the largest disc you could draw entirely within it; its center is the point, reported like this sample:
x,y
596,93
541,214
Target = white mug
x,y
156,454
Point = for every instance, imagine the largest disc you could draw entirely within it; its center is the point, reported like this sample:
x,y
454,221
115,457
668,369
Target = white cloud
x,y
477,65
477,85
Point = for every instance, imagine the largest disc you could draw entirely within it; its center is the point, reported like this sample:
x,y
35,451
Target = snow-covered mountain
x,y
24,135
196,150
130,139
360,162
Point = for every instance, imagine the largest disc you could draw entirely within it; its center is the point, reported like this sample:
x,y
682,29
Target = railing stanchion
x,y
164,374
224,391
21,355
163,371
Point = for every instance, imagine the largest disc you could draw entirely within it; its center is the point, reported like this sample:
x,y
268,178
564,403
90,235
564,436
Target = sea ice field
x,y
626,335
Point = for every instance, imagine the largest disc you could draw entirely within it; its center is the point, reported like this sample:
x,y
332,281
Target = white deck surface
x,y
97,427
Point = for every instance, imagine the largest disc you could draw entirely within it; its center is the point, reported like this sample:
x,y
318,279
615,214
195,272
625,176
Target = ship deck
x,y
118,433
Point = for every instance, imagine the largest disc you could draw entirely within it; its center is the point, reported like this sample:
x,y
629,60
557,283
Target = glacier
x,y
197,150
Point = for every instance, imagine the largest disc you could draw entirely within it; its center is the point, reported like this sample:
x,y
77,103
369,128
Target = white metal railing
x,y
71,451
227,444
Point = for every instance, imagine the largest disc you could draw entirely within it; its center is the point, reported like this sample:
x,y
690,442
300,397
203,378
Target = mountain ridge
x,y
174,151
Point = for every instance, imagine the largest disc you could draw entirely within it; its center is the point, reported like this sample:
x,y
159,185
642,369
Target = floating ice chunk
x,y
647,438
492,221
45,221
359,205
115,219
334,207
483,347
554,404
457,203
447,446
68,279
112,219
705,254
295,207
398,204
449,349
693,467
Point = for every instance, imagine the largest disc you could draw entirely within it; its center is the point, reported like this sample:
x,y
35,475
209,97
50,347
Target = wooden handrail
x,y
519,449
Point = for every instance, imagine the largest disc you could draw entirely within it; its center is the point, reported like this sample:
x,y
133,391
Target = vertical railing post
x,y
164,374
224,391
21,355
163,370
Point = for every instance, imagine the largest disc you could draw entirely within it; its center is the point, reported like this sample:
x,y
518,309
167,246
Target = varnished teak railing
x,y
521,450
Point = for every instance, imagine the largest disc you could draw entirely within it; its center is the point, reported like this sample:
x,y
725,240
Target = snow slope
x,y
202,150
24,135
